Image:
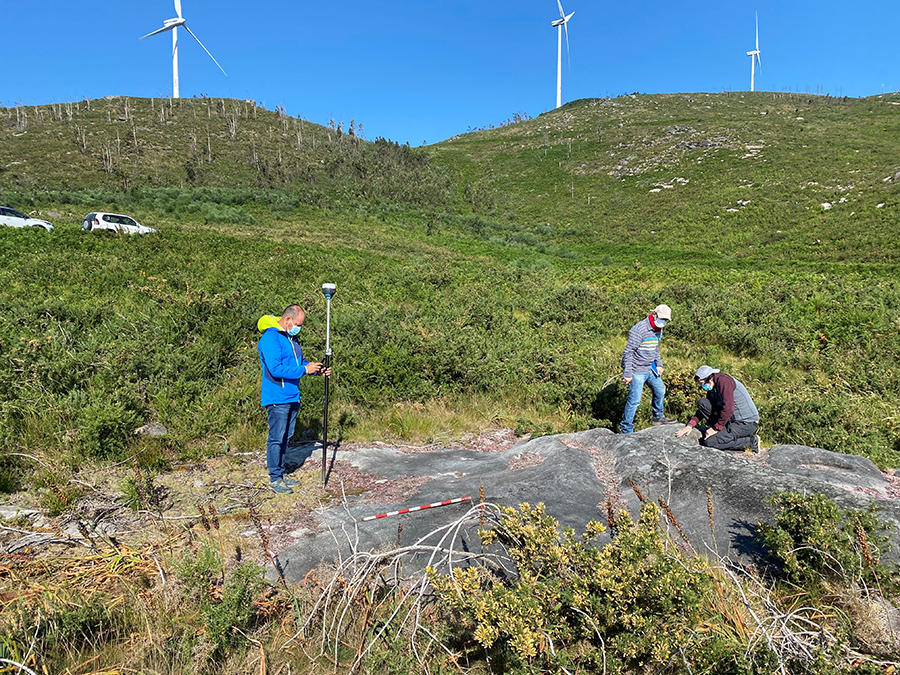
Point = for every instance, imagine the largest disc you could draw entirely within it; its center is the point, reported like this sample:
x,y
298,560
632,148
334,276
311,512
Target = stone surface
x,y
11,511
152,430
573,474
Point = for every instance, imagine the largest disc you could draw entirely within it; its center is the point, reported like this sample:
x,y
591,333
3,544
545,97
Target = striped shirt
x,y
642,349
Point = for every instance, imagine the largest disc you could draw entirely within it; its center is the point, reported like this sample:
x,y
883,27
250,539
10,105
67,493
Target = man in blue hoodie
x,y
282,367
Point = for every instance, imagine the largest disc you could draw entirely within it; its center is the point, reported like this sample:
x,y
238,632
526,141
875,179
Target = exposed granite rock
x,y
574,474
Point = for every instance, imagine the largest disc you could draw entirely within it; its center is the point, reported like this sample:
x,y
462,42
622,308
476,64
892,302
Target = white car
x,y
15,218
114,222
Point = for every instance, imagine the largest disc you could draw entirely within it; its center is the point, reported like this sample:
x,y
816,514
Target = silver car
x,y
114,222
14,218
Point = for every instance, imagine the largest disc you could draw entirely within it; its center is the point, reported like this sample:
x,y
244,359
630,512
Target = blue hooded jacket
x,y
282,362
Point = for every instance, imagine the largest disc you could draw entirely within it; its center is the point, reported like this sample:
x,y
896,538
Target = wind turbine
x,y
755,54
172,25
560,24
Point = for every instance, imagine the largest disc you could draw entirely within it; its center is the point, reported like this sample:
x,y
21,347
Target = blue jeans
x,y
635,389
282,417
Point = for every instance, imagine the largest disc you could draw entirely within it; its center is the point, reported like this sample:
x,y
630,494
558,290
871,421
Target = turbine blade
x,y
757,32
568,55
562,14
157,32
205,49
178,8
759,62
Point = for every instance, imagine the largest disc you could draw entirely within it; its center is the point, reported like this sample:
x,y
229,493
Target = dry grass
x,y
448,419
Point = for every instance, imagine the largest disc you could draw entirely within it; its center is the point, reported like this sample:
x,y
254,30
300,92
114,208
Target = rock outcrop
x,y
575,474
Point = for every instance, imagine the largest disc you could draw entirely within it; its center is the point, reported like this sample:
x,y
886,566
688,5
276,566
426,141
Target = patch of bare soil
x,y
121,506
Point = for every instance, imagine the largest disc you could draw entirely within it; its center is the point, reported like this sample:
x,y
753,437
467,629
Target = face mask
x,y
294,330
706,386
661,322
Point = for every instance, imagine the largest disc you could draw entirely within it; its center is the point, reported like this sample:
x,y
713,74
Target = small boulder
x,y
11,512
151,430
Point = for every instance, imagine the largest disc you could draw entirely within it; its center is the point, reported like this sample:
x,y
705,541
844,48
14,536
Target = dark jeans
x,y
282,417
735,436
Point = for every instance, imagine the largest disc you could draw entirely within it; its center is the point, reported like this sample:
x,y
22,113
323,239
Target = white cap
x,y
663,312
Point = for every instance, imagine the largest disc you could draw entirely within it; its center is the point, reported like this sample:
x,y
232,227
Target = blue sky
x,y
424,71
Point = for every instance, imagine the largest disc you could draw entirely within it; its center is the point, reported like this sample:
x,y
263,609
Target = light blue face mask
x,y
661,322
294,330
706,386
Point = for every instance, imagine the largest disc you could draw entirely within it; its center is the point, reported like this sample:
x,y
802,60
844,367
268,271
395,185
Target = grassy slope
x,y
588,169
502,277
150,142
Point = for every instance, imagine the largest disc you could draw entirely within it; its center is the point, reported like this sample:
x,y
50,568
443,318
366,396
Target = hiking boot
x,y
657,421
754,444
280,487
290,482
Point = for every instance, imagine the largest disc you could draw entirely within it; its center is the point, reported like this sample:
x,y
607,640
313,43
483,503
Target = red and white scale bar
x,y
418,508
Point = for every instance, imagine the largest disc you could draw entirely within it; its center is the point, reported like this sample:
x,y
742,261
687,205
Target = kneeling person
x,y
729,412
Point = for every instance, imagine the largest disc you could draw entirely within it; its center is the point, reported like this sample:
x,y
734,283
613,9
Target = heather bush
x,y
815,542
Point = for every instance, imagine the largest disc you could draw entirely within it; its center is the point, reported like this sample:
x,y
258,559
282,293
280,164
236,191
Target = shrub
x,y
828,420
235,610
814,541
629,604
106,430
225,601
10,474
57,496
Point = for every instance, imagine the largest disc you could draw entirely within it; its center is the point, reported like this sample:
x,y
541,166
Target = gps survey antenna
x,y
328,290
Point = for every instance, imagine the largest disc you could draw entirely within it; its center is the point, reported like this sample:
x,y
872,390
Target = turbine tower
x,y
560,24
172,25
755,55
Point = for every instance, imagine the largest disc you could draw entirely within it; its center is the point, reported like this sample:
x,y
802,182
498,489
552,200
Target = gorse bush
x,y
641,603
106,429
628,604
225,600
234,612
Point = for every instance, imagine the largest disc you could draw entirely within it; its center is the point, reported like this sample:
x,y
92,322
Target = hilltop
x,y
123,144
788,176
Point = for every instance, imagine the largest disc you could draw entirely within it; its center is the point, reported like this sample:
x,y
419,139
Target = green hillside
x,y
487,280
128,145
744,174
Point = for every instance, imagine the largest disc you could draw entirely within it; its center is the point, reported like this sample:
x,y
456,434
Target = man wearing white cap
x,y
728,410
642,364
